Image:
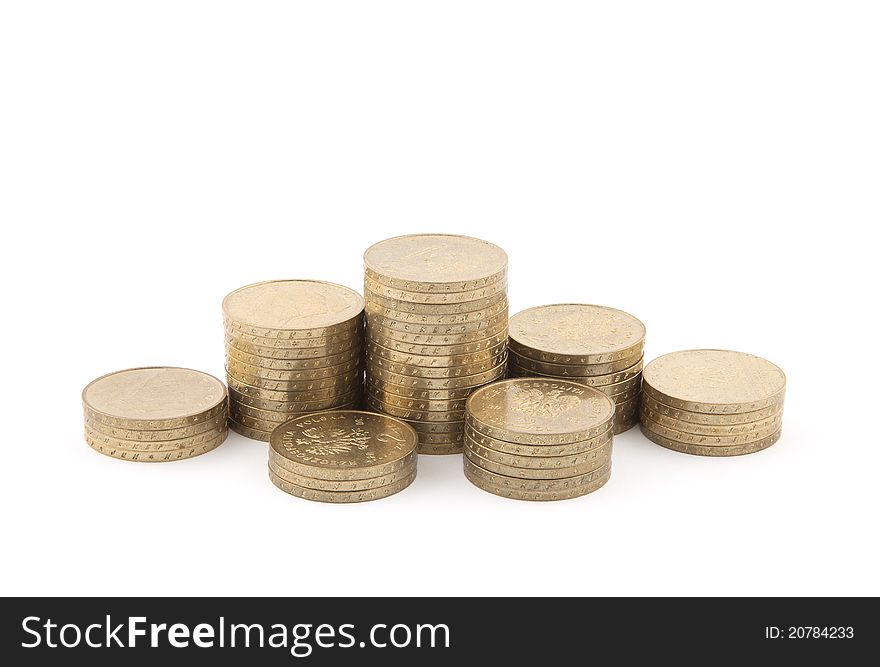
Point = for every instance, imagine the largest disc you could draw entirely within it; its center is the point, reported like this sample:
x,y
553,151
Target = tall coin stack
x,y
533,439
712,402
595,345
436,329
292,347
155,414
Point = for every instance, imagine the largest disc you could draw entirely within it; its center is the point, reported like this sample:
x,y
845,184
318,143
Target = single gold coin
x,y
434,308
711,450
574,333
345,339
488,354
345,444
277,305
295,396
461,332
495,342
435,263
714,381
378,362
431,405
304,364
520,494
450,383
155,445
539,462
154,455
153,398
712,419
379,385
538,451
574,371
346,486
240,399
489,313
709,440
414,415
602,458
395,294
533,411
161,435
341,496
542,485
771,423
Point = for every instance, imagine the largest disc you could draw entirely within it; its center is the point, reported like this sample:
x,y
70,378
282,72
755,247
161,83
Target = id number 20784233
x,y
809,632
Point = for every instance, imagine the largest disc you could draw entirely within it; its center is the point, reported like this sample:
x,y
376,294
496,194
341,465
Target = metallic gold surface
x,y
482,293
414,415
339,382
273,363
596,381
377,362
495,342
451,383
248,432
291,353
574,370
711,419
539,462
533,411
159,435
154,456
490,355
341,485
367,475
519,494
344,340
293,305
767,424
709,440
475,328
714,381
486,477
341,496
434,405
576,334
236,400
537,450
600,458
373,310
247,372
437,449
434,309
155,445
295,396
379,385
347,328
711,450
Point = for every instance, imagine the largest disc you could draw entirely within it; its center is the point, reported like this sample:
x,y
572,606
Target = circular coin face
x,y
576,333
714,381
158,393
435,258
293,304
546,409
345,440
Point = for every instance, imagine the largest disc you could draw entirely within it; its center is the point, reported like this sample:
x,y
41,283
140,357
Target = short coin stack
x,y
292,347
343,456
532,439
595,345
436,329
155,414
712,402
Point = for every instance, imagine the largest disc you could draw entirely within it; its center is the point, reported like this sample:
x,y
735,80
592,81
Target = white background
x,y
712,168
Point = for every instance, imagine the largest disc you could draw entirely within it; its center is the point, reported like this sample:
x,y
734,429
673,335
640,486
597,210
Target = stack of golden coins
x,y
155,414
533,439
595,345
712,402
343,456
436,321
292,347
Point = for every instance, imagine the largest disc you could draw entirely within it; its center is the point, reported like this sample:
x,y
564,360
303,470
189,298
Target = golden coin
x,y
539,462
574,333
495,342
157,446
377,362
714,381
339,381
341,496
372,309
401,467
434,308
709,440
435,263
489,354
295,396
712,419
349,328
293,364
290,353
529,411
436,384
542,485
344,445
248,432
402,337
343,339
469,330
394,294
601,457
574,371
154,456
414,415
286,406
518,494
767,424
633,393
378,384
539,451
432,405
711,450
346,486
254,374
153,398
277,305
143,435
591,381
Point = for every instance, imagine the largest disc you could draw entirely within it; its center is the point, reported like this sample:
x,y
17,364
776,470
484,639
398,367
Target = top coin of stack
x,y
343,456
436,328
292,347
534,439
595,345
712,402
155,414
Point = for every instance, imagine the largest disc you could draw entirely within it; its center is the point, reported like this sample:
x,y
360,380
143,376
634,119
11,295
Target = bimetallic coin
x,y
154,456
539,450
573,371
341,496
488,354
475,329
393,294
432,405
714,381
574,333
340,485
544,485
711,450
284,406
143,435
602,457
347,328
435,262
414,415
436,384
378,385
709,440
495,342
338,382
157,446
342,340
533,411
290,353
255,374
712,419
376,362
768,424
153,398
372,309
293,364
353,381
519,494
293,304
